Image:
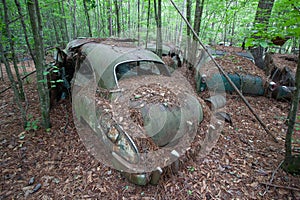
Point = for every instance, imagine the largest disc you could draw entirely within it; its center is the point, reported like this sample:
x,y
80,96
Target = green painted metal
x,y
252,85
104,58
248,84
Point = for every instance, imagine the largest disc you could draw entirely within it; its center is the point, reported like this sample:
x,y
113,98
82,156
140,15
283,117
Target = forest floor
x,y
56,165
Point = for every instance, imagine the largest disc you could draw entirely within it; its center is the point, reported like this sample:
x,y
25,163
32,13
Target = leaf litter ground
x,y
244,158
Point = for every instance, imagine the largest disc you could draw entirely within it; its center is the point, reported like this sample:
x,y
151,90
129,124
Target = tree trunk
x,y
24,27
86,11
39,61
73,13
128,20
109,13
1,72
157,10
138,23
13,83
148,21
181,25
55,30
292,164
12,49
64,22
233,24
187,51
197,24
262,17
118,17
98,19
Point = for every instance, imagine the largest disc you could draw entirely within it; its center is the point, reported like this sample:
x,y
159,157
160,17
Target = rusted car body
x,y
113,77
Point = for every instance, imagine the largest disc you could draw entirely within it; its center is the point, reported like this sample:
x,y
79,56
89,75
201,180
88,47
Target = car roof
x,y
106,57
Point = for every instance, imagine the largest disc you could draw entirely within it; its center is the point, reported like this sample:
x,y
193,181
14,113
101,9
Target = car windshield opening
x,y
139,68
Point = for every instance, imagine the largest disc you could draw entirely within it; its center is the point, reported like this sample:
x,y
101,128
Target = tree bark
x,y
24,27
13,84
86,11
12,49
187,51
262,17
157,10
138,23
289,159
197,24
148,21
98,18
72,11
1,72
39,61
181,25
128,16
55,30
118,17
64,22
110,22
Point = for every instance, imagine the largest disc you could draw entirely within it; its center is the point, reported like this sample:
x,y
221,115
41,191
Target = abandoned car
x,y
131,113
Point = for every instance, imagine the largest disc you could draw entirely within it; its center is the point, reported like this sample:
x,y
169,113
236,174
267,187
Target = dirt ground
x,y
245,163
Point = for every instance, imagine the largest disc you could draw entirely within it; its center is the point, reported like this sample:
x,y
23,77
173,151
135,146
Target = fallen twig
x,y
283,187
272,178
21,78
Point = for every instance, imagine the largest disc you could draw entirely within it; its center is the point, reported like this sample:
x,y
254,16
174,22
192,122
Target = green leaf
x,y
45,73
264,44
42,81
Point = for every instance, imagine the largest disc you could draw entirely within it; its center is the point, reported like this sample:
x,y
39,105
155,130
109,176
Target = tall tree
x,y
179,38
24,27
292,164
98,18
86,11
148,21
64,22
139,20
13,84
110,20
4,59
12,49
261,22
157,10
39,60
72,11
117,10
188,32
197,24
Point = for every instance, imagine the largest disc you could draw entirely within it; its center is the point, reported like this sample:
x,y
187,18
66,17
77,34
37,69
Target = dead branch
x,y
225,75
272,178
280,186
4,90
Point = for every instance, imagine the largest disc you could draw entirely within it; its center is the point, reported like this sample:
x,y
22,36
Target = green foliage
x,y
191,168
32,124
